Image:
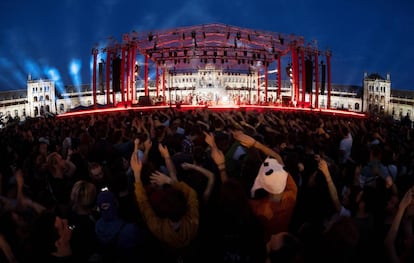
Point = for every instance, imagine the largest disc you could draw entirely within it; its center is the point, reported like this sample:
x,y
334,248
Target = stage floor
x,y
258,108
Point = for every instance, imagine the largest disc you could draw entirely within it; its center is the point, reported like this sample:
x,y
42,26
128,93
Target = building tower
x,y
376,94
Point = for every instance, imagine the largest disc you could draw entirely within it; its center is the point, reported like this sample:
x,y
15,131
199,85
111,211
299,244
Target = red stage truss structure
x,y
188,49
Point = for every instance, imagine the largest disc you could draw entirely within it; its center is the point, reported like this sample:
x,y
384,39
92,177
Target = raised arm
x,y
217,156
249,142
389,241
323,167
172,172
207,173
21,198
7,251
147,148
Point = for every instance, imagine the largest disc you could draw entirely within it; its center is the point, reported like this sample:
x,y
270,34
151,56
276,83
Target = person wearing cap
x,y
118,238
274,192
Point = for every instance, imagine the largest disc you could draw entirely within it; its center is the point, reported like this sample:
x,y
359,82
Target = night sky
x,y
54,38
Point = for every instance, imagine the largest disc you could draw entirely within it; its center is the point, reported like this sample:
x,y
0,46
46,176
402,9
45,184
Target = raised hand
x,y
217,156
407,199
147,144
245,140
187,166
136,145
160,179
163,150
136,165
209,139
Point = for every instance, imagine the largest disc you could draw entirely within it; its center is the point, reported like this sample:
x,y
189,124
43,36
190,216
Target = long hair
x,y
83,195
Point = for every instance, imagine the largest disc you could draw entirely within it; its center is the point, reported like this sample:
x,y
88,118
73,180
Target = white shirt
x,y
346,146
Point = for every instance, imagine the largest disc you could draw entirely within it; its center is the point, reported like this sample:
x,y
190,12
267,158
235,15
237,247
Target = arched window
x,y
47,97
356,107
35,98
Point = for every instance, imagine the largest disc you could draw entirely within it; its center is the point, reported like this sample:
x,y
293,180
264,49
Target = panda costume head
x,y
271,177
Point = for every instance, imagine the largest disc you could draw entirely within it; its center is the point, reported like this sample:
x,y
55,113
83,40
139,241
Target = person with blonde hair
x,y
83,217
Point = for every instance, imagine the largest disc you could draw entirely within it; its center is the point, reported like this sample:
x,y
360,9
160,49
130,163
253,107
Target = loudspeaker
x,y
116,74
100,77
144,101
323,68
309,75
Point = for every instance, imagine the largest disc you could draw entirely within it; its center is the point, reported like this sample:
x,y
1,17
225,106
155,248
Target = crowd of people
x,y
207,186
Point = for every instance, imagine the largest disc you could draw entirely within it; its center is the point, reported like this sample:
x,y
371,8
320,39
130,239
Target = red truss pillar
x,y
122,75
295,74
279,77
302,56
95,57
258,87
146,75
108,75
316,67
328,62
157,79
266,83
163,85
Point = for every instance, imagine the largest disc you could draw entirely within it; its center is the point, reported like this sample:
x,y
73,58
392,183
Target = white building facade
x,y
209,86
